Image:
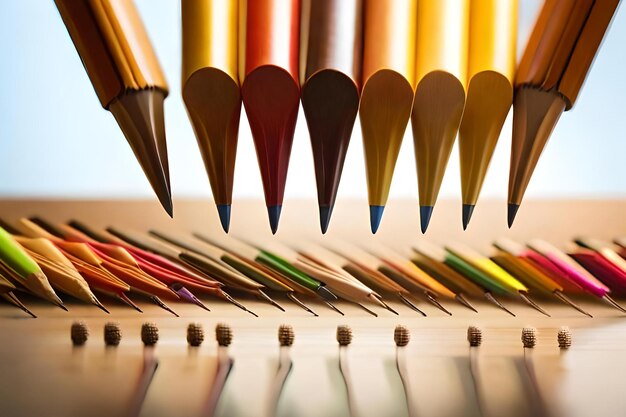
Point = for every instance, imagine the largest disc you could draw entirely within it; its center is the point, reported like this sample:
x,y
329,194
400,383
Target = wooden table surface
x,y
41,374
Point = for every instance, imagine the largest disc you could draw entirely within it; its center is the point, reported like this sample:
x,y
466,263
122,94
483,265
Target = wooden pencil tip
x,y
512,212
376,215
325,213
140,116
273,213
224,212
468,209
425,214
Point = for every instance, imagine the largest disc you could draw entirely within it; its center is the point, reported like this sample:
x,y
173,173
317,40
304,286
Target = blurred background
x,y
56,141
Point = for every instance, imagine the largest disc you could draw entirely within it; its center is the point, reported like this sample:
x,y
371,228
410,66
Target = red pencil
x,y
271,90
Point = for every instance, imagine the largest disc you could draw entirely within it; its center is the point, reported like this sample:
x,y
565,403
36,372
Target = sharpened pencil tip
x,y
425,213
273,213
512,213
376,215
224,212
468,209
140,116
166,202
325,213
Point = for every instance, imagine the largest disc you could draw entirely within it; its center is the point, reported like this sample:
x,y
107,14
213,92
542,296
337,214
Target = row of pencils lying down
x,y
43,258
448,66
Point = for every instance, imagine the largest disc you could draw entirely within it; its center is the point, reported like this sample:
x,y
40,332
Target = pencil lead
x,y
468,210
380,301
425,213
16,301
437,304
293,298
100,306
493,299
185,294
376,215
613,303
164,306
367,309
531,303
411,305
461,299
512,213
325,213
140,116
274,214
124,298
62,306
325,293
270,300
334,308
230,299
572,304
224,212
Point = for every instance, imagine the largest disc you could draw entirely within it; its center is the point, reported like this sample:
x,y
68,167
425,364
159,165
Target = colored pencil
x,y
115,49
271,90
369,262
271,261
6,292
415,276
479,261
211,90
83,259
113,259
510,257
24,270
574,271
555,63
131,259
451,260
387,95
331,54
491,67
440,73
60,271
608,251
229,262
193,272
601,268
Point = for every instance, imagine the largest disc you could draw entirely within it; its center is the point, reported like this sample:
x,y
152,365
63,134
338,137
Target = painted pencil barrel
x,y
491,67
441,72
388,87
586,49
211,86
270,87
331,74
113,46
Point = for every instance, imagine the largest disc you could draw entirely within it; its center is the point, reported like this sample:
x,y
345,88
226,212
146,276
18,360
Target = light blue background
x,y
56,140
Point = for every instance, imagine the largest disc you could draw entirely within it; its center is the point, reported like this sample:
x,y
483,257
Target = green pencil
x,y
451,260
24,270
273,262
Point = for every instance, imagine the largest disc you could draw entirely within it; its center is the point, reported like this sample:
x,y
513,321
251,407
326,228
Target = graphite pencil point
x,y
376,214
273,213
140,116
224,212
425,213
512,213
468,209
325,213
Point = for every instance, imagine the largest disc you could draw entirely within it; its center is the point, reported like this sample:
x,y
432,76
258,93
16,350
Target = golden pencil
x,y
491,66
440,73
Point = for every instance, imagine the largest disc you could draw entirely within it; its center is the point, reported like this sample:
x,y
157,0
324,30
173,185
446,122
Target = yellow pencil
x,y
491,66
387,96
440,72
